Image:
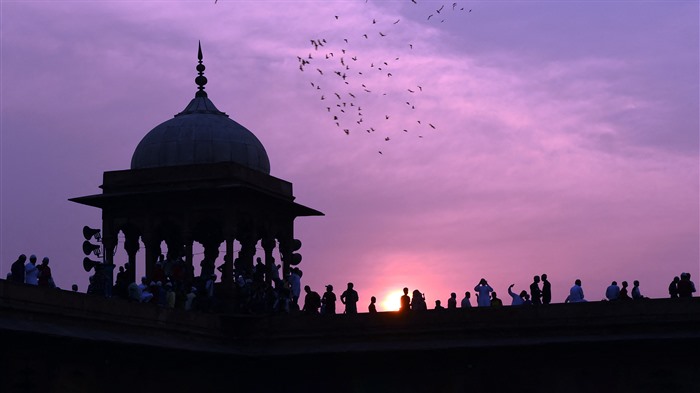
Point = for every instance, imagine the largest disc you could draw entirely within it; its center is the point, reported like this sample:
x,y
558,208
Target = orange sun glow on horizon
x,y
391,301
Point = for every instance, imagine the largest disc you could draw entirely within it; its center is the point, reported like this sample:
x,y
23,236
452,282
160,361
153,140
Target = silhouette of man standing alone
x,y
349,298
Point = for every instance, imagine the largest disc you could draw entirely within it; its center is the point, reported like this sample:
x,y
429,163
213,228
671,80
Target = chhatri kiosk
x,y
199,177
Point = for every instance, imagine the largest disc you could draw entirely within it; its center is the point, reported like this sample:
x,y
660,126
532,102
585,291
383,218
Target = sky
x,y
524,137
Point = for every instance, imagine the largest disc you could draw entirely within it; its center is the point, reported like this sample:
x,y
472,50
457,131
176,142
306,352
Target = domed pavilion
x,y
199,177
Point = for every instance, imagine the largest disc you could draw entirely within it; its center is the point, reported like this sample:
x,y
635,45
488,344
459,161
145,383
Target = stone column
x,y
109,242
268,244
131,246
247,252
152,243
227,271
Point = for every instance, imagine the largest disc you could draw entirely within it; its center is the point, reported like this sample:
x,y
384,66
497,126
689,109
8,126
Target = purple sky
x,y
566,136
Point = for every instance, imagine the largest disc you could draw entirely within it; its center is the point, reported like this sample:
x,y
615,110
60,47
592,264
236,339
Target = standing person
x,y
612,292
122,282
452,301
483,297
45,278
517,299
31,273
349,298
328,301
438,305
295,282
312,301
405,301
535,293
466,301
372,305
546,290
673,287
576,293
17,269
636,295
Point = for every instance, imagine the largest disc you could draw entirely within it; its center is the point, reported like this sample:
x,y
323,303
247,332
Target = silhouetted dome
x,y
200,134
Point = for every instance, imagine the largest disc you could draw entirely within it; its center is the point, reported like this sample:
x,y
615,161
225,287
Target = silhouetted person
x,y
45,277
685,286
483,296
31,272
190,299
349,298
74,287
405,301
312,301
328,301
466,301
673,287
295,284
418,301
535,293
517,298
438,305
17,269
495,301
546,290
636,294
452,301
612,293
372,305
526,298
575,293
624,294
121,283
259,271
146,295
170,295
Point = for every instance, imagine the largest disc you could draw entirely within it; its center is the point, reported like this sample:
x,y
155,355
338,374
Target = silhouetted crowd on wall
x,y
173,284
27,272
680,287
260,289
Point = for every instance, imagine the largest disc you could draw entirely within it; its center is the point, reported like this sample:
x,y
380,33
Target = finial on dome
x,y
200,80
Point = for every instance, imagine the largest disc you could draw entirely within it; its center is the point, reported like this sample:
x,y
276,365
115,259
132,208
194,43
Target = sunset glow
x,y
391,301
565,135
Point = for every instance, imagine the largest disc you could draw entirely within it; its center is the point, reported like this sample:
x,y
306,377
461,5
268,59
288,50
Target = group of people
x,y
486,297
317,304
252,289
259,288
27,272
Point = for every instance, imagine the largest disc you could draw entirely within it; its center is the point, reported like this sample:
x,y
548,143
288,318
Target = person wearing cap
x,y
328,301
31,272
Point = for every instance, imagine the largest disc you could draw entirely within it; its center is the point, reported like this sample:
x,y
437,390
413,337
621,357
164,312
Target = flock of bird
x,y
358,92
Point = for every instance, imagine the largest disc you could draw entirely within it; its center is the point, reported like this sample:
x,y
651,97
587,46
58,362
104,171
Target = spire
x,y
200,80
